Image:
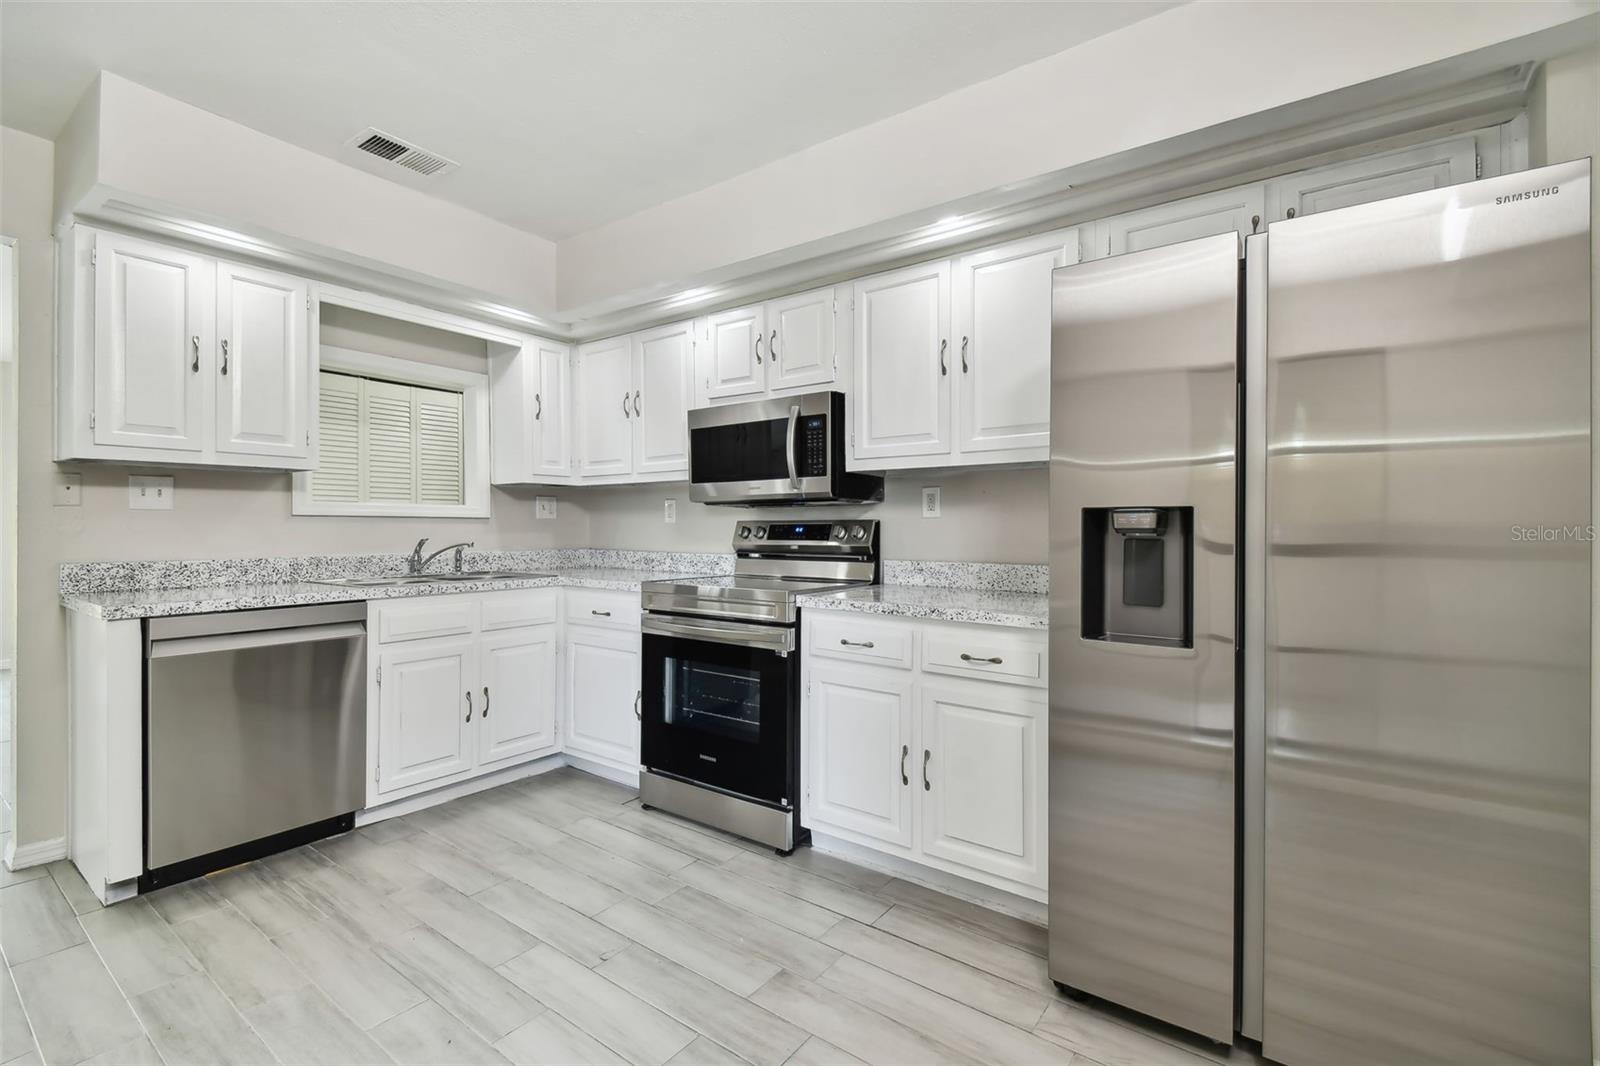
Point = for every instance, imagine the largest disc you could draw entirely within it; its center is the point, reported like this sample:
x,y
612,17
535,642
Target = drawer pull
x,y
993,659
600,614
904,751
857,643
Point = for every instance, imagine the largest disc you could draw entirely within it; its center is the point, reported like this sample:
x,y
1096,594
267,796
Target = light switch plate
x,y
930,502
69,490
149,493
544,507
670,512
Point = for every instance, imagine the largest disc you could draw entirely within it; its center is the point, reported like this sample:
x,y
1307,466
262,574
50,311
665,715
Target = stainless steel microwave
x,y
787,450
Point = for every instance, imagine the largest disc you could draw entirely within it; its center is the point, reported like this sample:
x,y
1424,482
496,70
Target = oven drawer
x,y
838,635
985,652
592,607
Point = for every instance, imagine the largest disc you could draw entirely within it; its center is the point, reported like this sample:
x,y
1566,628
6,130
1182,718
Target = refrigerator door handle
x,y
1251,615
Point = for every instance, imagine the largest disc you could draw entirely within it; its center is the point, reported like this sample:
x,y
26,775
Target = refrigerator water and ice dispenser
x,y
1136,575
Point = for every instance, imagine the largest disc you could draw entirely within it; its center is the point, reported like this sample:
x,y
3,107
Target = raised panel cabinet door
x,y
802,342
736,354
859,752
1002,342
903,363
663,362
1240,210
263,363
603,695
517,680
981,776
605,407
153,352
427,711
1360,181
552,424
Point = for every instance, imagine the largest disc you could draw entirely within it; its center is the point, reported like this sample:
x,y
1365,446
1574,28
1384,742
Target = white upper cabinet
x,y
263,393
1239,210
605,407
1360,181
803,340
531,400
166,356
901,398
153,338
552,424
663,360
1001,337
734,363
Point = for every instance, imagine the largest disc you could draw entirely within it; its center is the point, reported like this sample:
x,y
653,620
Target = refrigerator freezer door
x,y
1427,627
1144,384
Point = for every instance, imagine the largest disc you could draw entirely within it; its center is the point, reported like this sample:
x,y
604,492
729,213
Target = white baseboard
x,y
927,876
605,770
424,800
35,854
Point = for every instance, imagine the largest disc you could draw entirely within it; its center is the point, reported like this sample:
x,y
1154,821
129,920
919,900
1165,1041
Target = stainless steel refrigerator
x,y
1320,640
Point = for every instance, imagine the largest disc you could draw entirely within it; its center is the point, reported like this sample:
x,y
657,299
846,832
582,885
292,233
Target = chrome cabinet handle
x,y
538,407
486,701
224,357
625,413
636,714
963,355
944,368
856,643
995,659
600,614
195,340
926,755
636,402
905,749
758,349
469,705
772,346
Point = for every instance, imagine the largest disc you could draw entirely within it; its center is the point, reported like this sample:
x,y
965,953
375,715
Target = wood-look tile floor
x,y
548,921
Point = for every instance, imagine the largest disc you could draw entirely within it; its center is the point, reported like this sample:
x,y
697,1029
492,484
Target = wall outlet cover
x,y
930,502
69,490
544,507
670,512
150,493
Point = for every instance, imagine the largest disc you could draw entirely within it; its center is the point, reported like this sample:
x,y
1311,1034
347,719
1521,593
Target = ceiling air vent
x,y
401,153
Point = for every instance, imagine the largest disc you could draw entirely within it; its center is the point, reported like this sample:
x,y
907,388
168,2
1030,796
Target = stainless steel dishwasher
x,y
255,734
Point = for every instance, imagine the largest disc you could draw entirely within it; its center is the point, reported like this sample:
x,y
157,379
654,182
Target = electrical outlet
x,y
669,511
150,493
69,490
930,503
544,507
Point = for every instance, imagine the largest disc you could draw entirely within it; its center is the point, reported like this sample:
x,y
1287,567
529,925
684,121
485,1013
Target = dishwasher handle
x,y
268,638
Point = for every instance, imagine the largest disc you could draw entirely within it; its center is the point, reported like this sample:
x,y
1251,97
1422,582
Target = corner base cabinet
x,y
928,741
600,680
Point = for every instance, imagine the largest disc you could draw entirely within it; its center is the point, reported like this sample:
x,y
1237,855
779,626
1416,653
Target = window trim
x,y
474,389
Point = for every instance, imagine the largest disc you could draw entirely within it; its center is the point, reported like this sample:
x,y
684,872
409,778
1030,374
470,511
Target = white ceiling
x,y
562,116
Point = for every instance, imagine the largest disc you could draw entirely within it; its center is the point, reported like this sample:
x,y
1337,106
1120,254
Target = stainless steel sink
x,y
423,579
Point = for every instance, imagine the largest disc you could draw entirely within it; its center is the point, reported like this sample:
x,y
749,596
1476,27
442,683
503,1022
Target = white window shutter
x,y
389,433
439,475
338,473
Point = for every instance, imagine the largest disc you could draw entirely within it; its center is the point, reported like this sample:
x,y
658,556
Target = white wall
x,y
1185,70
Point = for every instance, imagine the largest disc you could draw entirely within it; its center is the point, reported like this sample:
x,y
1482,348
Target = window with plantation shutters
x,y
387,442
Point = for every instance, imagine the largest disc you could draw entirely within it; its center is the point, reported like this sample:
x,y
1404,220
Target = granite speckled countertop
x,y
152,603
1023,610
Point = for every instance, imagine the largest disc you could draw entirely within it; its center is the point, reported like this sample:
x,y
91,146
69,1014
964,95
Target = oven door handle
x,y
788,452
768,638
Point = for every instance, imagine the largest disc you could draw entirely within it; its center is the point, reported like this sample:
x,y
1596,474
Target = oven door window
x,y
719,714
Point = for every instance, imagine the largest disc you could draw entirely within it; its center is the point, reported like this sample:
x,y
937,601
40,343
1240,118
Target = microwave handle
x,y
794,474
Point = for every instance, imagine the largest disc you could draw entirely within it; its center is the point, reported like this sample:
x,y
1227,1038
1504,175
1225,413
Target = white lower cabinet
x,y
451,707
947,772
603,695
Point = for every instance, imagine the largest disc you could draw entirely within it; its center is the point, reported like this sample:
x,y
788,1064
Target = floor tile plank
x,y
805,918
36,920
304,1027
468,923
138,947
818,1052
16,1036
786,877
136,1052
352,904
826,864
858,1030
247,966
697,841
384,868
270,903
428,1035
578,936
477,994
74,1006
739,971
703,1052
551,1040
631,846
79,896
191,1021
1008,929
960,942
365,987
626,877
1105,1041
558,881
190,899
793,951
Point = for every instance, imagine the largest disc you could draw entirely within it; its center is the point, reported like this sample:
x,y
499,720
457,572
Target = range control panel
x,y
853,533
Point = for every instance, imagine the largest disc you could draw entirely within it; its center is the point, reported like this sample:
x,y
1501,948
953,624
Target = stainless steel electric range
x,y
721,702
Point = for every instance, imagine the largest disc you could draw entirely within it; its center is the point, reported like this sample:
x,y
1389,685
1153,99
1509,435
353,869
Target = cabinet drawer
x,y
985,652
601,608
423,618
507,610
838,635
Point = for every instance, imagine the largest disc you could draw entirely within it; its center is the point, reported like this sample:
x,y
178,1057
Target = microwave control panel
x,y
811,447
